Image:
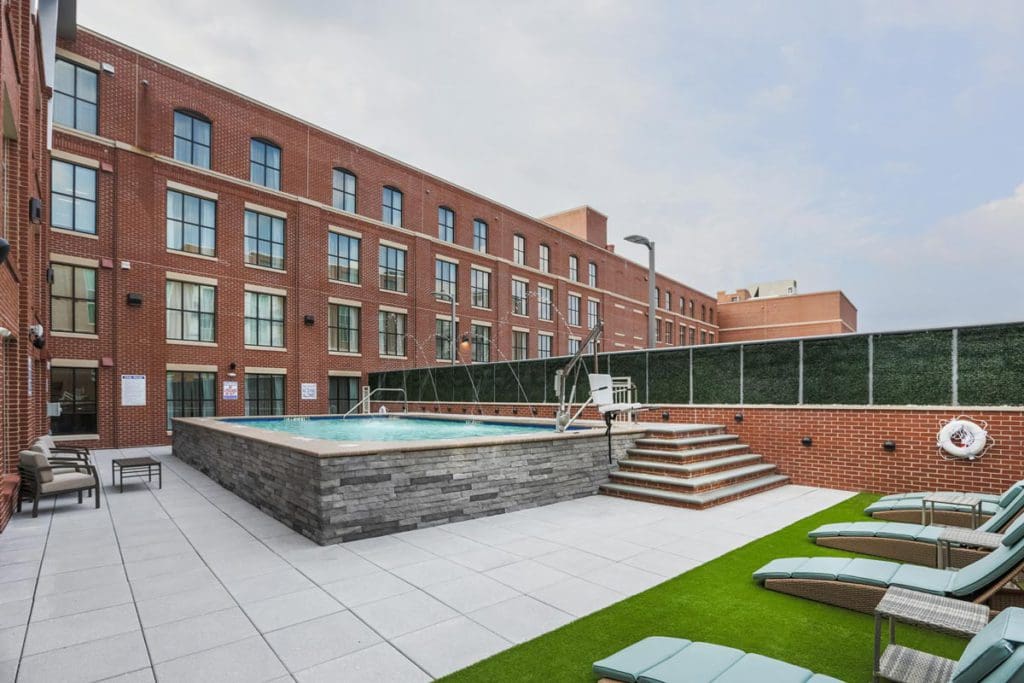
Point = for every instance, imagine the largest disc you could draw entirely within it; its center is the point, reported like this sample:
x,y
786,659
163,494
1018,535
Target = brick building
x,y
775,310
199,239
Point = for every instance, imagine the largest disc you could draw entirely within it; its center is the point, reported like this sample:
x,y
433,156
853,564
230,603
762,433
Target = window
x,y
264,319
574,345
480,288
668,331
544,258
519,293
191,224
392,333
657,296
544,297
703,337
592,274
191,139
73,197
391,210
343,328
682,305
693,336
711,316
481,344
574,268
443,339
343,258
265,163
519,249
711,337
668,300
657,330
445,224
520,345
264,394
75,390
692,304
190,394
191,311
480,235
343,394
574,309
703,313
593,313
392,269
445,277
73,299
343,193
264,240
544,345
74,96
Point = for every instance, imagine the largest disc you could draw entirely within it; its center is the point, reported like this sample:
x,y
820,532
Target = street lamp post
x,y
652,295
451,339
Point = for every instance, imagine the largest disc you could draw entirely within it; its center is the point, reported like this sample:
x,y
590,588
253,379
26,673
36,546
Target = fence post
x,y
956,366
691,375
871,369
741,374
800,376
647,377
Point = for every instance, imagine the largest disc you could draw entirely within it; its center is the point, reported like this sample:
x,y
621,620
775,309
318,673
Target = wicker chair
x,y
42,477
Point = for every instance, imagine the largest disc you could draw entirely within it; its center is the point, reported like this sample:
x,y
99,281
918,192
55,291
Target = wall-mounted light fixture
x,y
5,249
665,416
308,319
134,299
889,445
231,369
807,441
738,417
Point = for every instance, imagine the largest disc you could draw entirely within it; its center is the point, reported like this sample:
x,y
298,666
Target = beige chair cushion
x,y
36,460
47,441
69,482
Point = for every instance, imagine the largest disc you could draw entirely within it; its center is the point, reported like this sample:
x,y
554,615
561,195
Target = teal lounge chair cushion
x,y
925,579
991,647
1010,671
981,573
1010,495
831,529
752,667
869,572
628,664
1014,534
929,534
827,568
901,530
698,662
781,568
822,678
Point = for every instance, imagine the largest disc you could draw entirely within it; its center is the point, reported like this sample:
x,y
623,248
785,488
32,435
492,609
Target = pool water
x,y
389,428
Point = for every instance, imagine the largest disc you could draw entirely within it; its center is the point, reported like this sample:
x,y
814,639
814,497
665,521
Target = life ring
x,y
962,438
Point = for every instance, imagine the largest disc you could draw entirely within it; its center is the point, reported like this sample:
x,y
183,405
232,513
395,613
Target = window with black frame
x,y
191,224
264,240
75,96
343,192
443,339
75,390
190,394
574,268
72,197
519,298
592,274
264,394
264,319
544,258
391,206
574,309
544,296
481,344
519,249
544,344
73,299
343,258
480,288
445,224
480,235
191,311
391,326
520,345
191,139
343,328
265,163
446,277
391,268
343,394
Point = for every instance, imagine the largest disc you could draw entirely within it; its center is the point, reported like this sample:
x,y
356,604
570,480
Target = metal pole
x,y
652,300
454,334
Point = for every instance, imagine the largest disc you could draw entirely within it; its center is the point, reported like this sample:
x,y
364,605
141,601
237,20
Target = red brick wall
x,y
846,450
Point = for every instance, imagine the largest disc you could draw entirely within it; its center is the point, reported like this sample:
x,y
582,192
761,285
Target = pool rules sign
x,y
133,390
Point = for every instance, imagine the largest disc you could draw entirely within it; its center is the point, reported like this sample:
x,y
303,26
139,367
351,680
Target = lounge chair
x,y
915,543
42,477
859,583
906,507
81,452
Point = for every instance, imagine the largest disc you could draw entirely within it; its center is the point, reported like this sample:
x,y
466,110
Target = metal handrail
x,y
365,399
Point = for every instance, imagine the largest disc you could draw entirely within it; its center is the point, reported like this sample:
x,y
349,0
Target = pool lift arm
x,y
562,418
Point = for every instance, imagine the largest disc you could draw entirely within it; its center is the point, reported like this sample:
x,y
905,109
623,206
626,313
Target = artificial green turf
x,y
718,602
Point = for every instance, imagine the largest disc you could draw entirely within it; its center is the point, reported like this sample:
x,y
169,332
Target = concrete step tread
x,y
692,467
695,482
687,454
689,440
680,428
703,498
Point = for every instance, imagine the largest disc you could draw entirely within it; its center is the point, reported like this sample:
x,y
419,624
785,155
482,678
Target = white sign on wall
x,y
230,391
133,390
308,391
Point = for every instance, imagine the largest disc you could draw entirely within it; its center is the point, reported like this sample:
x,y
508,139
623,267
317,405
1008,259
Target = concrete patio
x,y
190,583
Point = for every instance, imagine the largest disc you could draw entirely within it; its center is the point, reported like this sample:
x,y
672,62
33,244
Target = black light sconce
x,y
5,249
35,210
231,369
436,409
134,299
308,319
533,410
463,410
738,417
889,445
495,411
807,441
664,416
515,411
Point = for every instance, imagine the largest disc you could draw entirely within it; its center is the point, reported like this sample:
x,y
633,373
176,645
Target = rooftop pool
x,y
391,428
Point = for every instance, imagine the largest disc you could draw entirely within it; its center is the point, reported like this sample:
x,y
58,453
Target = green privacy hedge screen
x,y
976,366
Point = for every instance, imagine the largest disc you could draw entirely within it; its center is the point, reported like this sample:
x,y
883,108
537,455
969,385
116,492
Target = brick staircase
x,y
691,465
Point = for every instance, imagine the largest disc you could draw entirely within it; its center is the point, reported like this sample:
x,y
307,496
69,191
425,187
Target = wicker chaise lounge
x,y
918,543
859,583
906,507
677,660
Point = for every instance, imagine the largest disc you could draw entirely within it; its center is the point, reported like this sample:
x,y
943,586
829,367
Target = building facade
x,y
208,254
776,310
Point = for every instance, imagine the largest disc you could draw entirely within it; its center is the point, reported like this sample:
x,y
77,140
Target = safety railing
x,y
369,395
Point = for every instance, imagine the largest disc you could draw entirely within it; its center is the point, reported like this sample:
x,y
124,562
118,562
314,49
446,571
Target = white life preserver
x,y
962,438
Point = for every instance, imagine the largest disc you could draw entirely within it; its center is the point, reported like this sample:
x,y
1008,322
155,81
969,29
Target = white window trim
x,y
393,245
446,259
393,309
188,189
344,231
344,373
186,367
264,371
61,155
485,269
73,363
344,302
74,261
265,290
259,208
196,279
69,56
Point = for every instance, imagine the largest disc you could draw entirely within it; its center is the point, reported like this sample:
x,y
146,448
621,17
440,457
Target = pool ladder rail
x,y
365,401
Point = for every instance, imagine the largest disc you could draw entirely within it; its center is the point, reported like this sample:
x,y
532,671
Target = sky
x,y
875,147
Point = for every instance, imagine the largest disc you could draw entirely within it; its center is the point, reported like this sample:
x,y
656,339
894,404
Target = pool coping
x,y
326,448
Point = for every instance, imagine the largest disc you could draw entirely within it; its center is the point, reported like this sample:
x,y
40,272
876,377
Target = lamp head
x,y
464,343
640,239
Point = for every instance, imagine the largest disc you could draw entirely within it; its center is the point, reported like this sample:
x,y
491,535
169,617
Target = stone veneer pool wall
x,y
334,497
